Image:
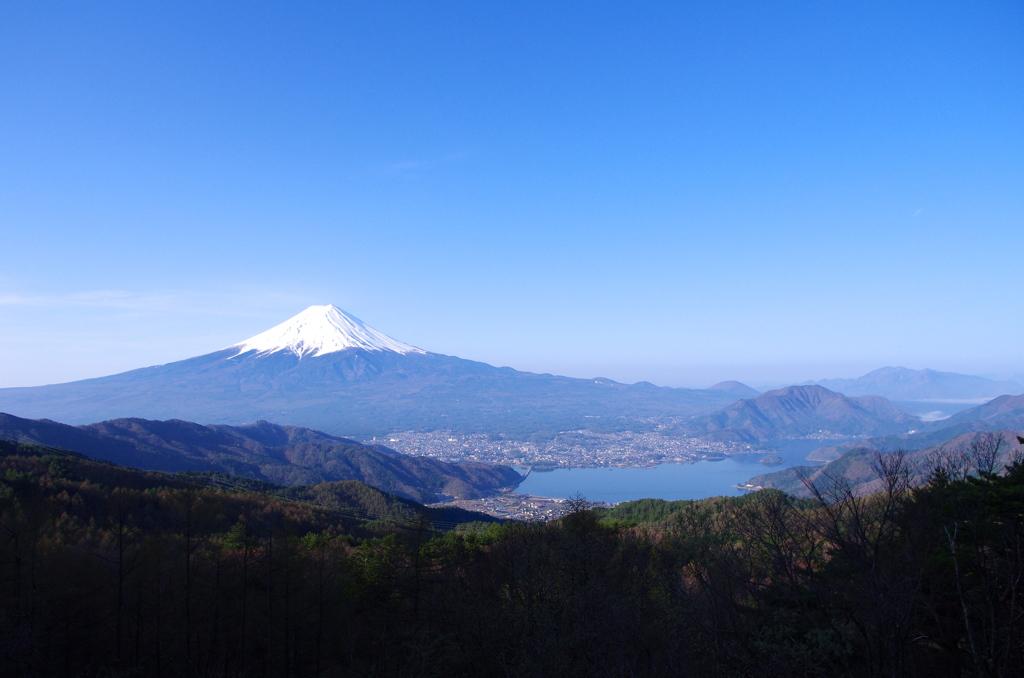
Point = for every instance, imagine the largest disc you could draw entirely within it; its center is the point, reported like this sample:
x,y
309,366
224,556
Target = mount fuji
x,y
326,369
320,330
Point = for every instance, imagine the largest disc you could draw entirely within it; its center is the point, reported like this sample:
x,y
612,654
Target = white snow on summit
x,y
319,330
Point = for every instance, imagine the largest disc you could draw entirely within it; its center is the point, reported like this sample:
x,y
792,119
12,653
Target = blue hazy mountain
x,y
903,384
327,370
735,388
800,411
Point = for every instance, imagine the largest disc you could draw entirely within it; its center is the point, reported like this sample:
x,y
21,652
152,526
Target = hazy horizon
x,y
760,376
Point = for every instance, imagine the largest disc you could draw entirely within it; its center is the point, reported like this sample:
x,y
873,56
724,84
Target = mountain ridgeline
x,y
288,455
326,370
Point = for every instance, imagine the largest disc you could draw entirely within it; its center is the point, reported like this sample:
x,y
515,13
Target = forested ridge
x,y
290,455
110,571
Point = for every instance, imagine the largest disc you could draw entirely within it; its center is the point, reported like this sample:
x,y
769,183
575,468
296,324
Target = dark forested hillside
x,y
107,571
283,454
854,464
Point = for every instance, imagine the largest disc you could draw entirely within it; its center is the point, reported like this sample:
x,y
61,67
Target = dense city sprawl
x,y
576,449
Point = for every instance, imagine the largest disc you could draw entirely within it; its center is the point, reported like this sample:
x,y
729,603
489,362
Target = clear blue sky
x,y
672,192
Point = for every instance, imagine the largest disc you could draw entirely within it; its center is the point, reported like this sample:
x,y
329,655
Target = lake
x,y
666,481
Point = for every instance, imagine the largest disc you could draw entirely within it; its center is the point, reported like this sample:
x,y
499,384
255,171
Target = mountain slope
x,y
328,371
798,411
900,383
856,466
1002,413
283,454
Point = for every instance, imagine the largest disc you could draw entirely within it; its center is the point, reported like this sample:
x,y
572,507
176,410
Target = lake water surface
x,y
666,481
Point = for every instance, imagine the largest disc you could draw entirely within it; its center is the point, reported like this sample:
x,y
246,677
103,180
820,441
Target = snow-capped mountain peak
x,y
319,330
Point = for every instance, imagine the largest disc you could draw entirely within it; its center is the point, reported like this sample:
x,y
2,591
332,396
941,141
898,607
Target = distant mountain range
x,y
325,369
288,455
902,384
800,411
